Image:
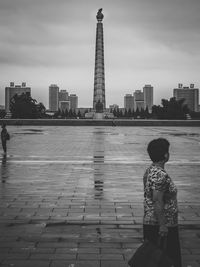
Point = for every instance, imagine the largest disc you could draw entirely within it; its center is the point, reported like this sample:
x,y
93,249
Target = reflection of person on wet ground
x,y
3,168
4,137
4,159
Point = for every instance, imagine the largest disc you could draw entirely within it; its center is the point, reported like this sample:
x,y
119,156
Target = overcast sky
x,y
153,42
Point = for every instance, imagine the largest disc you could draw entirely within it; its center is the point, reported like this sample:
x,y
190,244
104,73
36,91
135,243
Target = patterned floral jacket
x,y
156,178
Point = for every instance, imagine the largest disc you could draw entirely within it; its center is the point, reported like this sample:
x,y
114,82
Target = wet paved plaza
x,y
73,196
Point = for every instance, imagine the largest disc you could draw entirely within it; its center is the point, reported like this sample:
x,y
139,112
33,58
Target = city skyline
x,y
146,99
145,42
61,99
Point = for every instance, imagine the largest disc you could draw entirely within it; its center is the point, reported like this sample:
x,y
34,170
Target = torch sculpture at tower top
x,y
99,102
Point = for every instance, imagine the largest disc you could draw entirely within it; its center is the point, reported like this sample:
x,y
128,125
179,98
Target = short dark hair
x,y
157,149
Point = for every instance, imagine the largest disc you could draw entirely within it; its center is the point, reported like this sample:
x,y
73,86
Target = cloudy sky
x,y
153,42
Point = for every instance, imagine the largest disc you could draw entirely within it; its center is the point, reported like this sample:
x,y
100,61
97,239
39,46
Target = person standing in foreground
x,y
4,137
160,201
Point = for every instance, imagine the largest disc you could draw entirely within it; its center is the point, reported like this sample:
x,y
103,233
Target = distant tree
x,y
70,113
115,112
79,114
74,113
129,113
120,113
85,111
125,113
146,113
41,110
156,112
137,113
133,113
2,113
142,113
195,115
170,109
24,106
57,114
66,113
62,114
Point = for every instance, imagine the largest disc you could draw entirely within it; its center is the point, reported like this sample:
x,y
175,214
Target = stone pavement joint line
x,y
73,197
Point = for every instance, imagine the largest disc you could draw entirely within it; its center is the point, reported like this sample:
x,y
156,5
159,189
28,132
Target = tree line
x,y
171,109
25,107
131,113
71,113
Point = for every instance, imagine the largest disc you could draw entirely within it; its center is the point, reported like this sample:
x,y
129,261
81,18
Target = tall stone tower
x,y
99,101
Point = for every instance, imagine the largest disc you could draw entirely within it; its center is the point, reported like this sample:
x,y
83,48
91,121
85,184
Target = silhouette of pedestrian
x,y
4,137
113,123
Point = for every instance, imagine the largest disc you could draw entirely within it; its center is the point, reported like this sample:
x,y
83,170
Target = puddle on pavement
x,y
182,134
30,131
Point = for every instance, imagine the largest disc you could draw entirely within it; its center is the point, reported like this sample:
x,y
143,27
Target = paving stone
x,y
56,245
75,263
100,245
26,263
43,250
60,263
50,256
89,256
89,250
114,263
60,206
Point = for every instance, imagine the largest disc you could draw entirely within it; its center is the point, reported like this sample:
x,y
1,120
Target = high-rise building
x,y
53,97
190,94
138,95
73,101
63,105
148,96
138,99
12,90
99,76
63,95
129,101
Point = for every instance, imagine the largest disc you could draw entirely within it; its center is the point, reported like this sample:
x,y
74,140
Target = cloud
x,y
174,23
44,32
146,41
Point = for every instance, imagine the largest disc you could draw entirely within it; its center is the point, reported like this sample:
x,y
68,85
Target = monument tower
x,y
99,101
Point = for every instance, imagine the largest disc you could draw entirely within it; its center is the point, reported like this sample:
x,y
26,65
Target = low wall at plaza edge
x,y
92,122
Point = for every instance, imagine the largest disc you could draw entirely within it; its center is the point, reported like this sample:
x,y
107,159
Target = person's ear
x,y
166,156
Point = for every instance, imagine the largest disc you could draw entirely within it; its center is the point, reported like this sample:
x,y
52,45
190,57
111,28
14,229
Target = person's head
x,y
3,125
158,150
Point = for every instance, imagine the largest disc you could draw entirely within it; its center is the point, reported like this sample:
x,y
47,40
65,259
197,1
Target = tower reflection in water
x,y
98,162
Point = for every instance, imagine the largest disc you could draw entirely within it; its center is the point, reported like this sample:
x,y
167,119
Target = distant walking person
x,y
4,137
160,202
113,123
